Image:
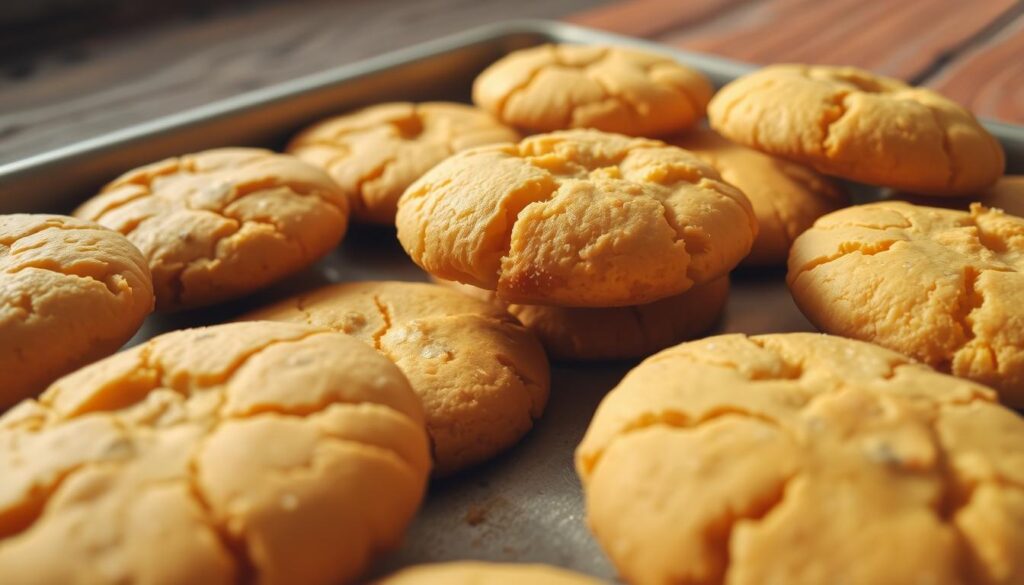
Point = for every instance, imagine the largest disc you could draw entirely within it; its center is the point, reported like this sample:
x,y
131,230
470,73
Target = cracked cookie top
x,y
70,292
615,89
786,197
482,378
616,333
863,127
576,218
793,458
375,153
945,287
222,223
477,573
248,452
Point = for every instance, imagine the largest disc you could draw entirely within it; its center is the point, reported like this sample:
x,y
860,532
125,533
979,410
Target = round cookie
x,y
860,126
786,197
222,223
477,573
71,292
619,332
615,89
578,218
249,452
794,458
482,378
375,153
942,286
1007,194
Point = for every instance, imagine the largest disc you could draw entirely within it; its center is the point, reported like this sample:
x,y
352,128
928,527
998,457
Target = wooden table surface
x,y
62,83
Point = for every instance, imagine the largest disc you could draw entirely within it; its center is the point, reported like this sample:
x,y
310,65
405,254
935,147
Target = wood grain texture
x,y
652,18
138,75
901,39
989,79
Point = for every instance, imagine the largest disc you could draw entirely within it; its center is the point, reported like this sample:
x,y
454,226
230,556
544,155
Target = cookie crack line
x,y
971,301
177,280
674,419
622,99
845,249
385,314
245,570
238,190
24,517
145,182
374,174
830,120
547,191
46,225
186,386
758,514
42,265
502,104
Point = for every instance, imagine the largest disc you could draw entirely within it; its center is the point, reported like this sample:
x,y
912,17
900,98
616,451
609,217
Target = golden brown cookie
x,y
375,153
786,197
250,452
222,223
1007,194
483,379
863,127
615,89
795,458
578,218
71,292
942,286
477,573
617,332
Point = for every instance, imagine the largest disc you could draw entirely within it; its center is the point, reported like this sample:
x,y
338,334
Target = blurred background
x,y
71,69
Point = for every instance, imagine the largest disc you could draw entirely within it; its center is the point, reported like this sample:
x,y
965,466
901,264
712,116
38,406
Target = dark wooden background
x,y
71,69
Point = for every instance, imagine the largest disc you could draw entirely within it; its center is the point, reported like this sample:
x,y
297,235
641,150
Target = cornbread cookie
x,y
250,452
483,379
476,573
376,152
796,458
578,218
1007,194
618,332
222,223
942,286
615,89
786,197
70,292
854,124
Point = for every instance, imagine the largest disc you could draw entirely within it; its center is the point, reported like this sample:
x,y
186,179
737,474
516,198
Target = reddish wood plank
x,y
903,39
650,18
989,79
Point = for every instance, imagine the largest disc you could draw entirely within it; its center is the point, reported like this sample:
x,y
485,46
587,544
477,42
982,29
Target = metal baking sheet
x,y
526,505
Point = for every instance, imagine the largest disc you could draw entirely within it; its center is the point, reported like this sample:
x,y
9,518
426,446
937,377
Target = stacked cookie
x,y
606,247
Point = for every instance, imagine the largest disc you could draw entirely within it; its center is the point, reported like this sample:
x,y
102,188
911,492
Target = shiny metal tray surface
x,y
526,505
